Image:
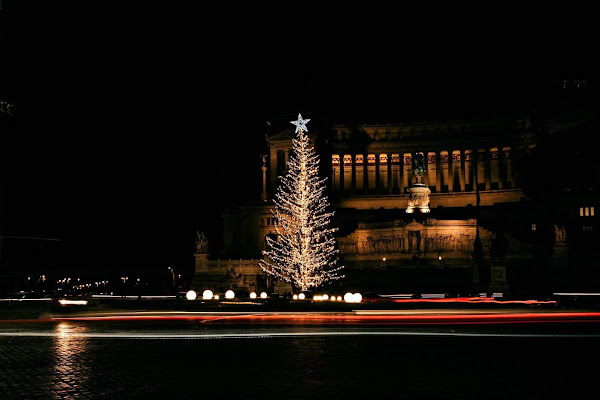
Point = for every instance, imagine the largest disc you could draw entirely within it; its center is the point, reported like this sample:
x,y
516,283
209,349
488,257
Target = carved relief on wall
x,y
494,155
451,242
418,200
431,159
381,244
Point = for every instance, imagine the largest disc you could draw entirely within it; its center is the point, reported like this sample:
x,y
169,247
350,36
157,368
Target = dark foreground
x,y
256,359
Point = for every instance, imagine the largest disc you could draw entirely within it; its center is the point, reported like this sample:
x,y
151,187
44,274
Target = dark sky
x,y
135,127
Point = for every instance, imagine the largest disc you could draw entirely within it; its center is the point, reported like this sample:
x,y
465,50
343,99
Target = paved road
x,y
131,355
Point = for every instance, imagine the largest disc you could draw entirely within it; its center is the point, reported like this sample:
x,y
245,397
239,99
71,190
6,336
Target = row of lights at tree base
x,y
209,295
230,294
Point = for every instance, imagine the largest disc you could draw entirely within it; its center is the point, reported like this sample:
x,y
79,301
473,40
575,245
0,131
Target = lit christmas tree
x,y
304,252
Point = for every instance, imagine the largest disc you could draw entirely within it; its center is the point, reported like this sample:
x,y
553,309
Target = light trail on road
x,y
269,335
355,318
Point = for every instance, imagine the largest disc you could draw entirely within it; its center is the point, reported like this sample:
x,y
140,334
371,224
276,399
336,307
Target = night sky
x,y
135,129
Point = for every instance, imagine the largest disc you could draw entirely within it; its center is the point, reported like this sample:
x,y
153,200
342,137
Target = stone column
x,y
462,170
395,172
389,173
510,178
273,165
488,169
469,169
438,173
406,170
353,184
335,171
348,172
359,162
450,172
430,160
494,166
263,196
383,173
501,169
371,173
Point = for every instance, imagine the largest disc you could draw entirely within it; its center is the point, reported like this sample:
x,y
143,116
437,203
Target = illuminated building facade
x,y
488,179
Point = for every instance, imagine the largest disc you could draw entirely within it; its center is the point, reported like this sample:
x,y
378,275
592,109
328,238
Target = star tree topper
x,y
300,124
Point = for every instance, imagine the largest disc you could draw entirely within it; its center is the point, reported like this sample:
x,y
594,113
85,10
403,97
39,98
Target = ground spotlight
x,y
229,294
207,294
263,295
301,296
190,295
253,295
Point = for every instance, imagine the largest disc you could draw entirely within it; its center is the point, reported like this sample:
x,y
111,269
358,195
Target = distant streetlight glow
x,y
73,302
190,295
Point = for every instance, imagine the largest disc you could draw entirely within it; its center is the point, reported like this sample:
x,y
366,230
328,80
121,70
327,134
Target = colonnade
x,y
447,171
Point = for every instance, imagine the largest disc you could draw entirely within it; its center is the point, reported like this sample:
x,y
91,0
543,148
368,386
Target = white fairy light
x,y
304,253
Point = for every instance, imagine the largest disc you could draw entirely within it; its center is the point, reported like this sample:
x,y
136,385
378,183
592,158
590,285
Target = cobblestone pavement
x,y
68,364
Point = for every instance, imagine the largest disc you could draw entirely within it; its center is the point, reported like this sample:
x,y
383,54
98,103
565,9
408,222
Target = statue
x,y
419,166
418,199
560,235
201,243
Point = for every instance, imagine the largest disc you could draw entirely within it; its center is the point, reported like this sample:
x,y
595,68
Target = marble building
x,y
474,175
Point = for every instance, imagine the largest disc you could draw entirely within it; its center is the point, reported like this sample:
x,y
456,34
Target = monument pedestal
x,y
200,279
418,199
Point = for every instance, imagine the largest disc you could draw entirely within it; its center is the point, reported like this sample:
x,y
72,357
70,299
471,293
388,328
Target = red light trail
x,y
357,318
